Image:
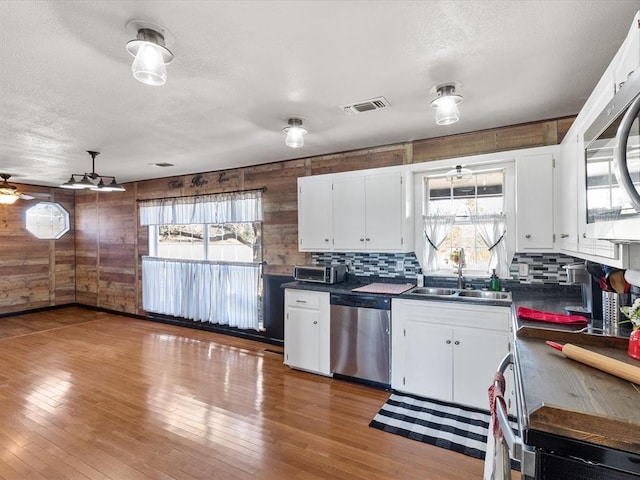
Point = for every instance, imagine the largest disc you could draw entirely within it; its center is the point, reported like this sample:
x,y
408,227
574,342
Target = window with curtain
x,y
453,202
206,258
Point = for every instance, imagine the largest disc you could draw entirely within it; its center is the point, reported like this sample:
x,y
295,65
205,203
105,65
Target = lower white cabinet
x,y
306,330
448,351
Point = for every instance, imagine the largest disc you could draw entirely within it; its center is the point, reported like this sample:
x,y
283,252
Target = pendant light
x,y
446,102
88,179
151,55
295,133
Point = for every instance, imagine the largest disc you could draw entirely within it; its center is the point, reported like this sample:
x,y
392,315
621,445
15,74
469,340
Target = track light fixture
x,y
88,180
446,102
295,133
150,53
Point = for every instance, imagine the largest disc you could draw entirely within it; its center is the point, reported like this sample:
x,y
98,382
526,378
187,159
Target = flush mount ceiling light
x,y
151,55
88,180
446,102
295,133
459,174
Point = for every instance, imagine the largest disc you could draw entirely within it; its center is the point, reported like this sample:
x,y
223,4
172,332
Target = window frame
x,y
476,164
63,211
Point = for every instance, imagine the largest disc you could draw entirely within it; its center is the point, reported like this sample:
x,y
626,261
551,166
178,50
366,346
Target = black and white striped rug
x,y
454,427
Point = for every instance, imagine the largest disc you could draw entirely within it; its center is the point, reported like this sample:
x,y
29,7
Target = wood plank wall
x,y
35,273
109,244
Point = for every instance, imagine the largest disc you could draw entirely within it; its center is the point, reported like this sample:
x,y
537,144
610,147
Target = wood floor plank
x,y
89,395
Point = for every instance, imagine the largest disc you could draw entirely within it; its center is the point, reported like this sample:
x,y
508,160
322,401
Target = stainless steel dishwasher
x,y
360,337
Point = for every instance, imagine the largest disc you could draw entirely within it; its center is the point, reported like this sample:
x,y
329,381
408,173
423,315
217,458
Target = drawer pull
x,y
448,342
301,301
528,235
457,342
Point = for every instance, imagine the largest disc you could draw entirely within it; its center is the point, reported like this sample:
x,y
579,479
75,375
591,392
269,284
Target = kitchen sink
x,y
462,295
485,294
440,292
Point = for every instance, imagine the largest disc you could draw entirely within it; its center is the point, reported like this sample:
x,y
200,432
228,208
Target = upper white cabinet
x,y
627,59
534,203
367,213
355,211
315,214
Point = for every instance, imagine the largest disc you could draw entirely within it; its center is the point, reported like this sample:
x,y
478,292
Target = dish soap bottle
x,y
494,282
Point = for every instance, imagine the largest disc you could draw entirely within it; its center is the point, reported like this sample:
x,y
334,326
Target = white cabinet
x,y
367,212
355,211
315,214
627,59
306,330
534,203
448,351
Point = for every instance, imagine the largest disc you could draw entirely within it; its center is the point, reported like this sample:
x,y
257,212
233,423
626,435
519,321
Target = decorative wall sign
x,y
175,184
198,181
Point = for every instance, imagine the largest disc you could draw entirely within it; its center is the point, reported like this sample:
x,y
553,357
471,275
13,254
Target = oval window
x,y
47,220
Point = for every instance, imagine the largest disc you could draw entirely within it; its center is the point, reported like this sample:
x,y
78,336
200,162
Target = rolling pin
x,y
601,362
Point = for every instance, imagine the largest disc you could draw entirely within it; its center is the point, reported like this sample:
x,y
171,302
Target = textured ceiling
x,y
243,67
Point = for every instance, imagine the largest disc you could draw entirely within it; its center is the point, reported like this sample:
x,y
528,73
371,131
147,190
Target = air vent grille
x,y
365,105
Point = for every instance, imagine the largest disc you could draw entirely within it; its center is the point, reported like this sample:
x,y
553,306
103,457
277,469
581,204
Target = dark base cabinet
x,y
274,305
551,466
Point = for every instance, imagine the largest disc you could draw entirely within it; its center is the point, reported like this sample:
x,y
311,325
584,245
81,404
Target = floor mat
x,y
445,425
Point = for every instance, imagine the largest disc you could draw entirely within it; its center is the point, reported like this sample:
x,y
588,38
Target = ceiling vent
x,y
365,105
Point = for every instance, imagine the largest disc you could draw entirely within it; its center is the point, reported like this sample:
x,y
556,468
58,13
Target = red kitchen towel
x,y
537,315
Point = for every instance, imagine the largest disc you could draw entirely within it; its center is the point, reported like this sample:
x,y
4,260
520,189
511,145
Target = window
x,y
462,196
47,220
225,242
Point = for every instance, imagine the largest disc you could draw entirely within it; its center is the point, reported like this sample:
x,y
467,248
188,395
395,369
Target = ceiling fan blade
x,y
33,195
26,197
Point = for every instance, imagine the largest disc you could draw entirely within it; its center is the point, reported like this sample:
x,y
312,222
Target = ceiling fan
x,y
9,193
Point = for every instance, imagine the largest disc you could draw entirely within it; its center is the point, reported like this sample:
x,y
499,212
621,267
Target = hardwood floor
x,y
91,395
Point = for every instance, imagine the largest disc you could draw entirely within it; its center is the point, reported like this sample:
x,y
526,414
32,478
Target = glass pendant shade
x,y
150,57
148,66
295,133
447,111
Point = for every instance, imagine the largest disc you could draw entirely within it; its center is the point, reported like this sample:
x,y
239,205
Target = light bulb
x,y
8,199
148,66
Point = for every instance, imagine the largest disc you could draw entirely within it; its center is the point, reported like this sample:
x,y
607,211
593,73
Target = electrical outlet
x,y
523,270
400,265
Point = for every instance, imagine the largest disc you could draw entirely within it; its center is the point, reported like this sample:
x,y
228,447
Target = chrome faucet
x,y
461,280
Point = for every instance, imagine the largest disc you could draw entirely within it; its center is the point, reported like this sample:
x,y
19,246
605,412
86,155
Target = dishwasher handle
x,y
377,302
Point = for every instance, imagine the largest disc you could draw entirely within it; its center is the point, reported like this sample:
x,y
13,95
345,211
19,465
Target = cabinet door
x,y
534,203
427,359
314,214
476,354
349,213
301,346
383,212
566,190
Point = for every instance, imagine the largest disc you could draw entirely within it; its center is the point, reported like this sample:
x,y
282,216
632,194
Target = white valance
x,y
219,208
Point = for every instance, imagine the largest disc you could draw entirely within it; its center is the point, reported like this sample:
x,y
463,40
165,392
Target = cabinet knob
x,y
528,235
362,239
315,322
368,239
457,342
584,235
564,235
326,239
448,342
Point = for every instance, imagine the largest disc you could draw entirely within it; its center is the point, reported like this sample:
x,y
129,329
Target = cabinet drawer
x,y
304,298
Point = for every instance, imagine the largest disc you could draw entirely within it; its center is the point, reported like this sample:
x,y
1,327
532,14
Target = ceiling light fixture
x,y
151,55
88,179
9,193
295,133
446,102
459,174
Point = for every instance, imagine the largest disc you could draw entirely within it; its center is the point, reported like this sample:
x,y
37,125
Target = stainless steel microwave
x,y
612,156
320,274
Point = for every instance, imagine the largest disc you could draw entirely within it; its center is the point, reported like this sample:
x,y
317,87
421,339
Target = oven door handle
x,y
517,448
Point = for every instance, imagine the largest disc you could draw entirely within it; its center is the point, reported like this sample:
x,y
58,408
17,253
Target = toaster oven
x,y
320,273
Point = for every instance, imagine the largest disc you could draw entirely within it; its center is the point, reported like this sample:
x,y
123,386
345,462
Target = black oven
x,y
547,456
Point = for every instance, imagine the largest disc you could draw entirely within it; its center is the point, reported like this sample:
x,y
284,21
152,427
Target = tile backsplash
x,y
544,268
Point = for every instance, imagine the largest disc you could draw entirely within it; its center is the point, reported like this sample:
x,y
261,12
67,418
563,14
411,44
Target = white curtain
x,y
493,231
222,293
436,229
216,209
